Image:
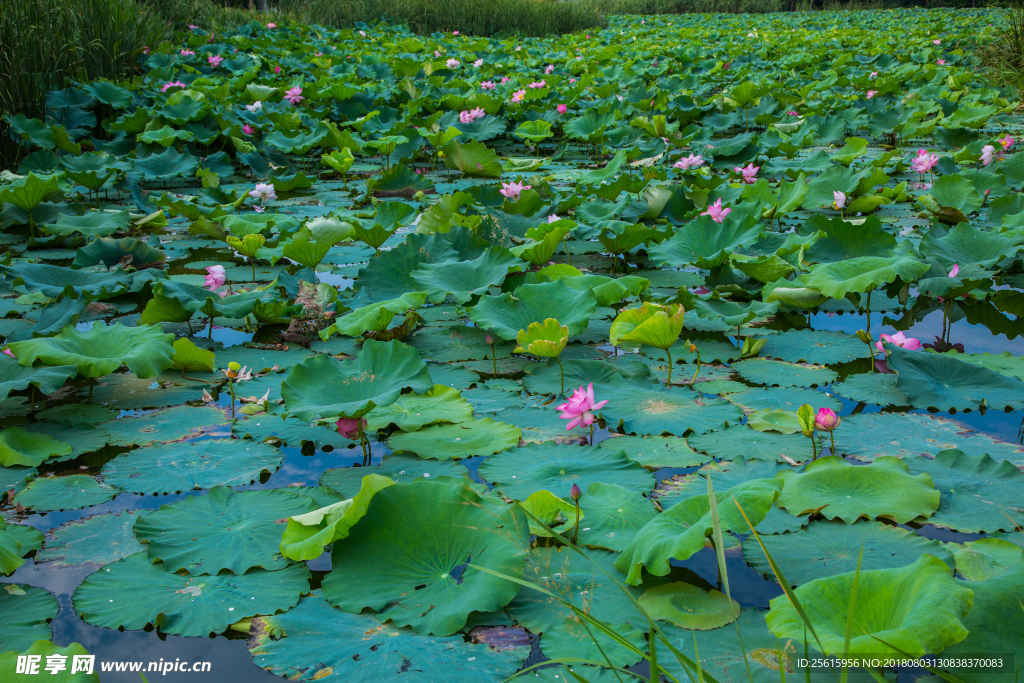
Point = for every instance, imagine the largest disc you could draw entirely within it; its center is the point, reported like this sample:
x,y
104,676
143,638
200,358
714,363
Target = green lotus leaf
x,y
845,240
74,492
56,281
684,529
788,399
725,475
396,562
829,548
965,246
777,373
985,558
545,378
165,136
465,280
610,291
690,607
10,550
29,611
872,387
458,343
653,324
614,515
489,399
656,409
620,237
224,529
705,243
413,411
28,537
29,192
134,592
556,467
398,181
534,131
340,160
401,468
656,451
110,252
166,165
146,350
814,346
461,440
374,317
44,649
20,447
390,274
249,245
300,143
508,313
544,242
745,441
308,247
941,381
474,159
308,534
552,511
377,377
190,358
863,274
190,465
843,491
917,608
14,479
978,493
95,541
313,638
92,224
546,339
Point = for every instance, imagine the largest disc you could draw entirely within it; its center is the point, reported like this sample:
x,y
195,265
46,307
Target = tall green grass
x,y
1003,53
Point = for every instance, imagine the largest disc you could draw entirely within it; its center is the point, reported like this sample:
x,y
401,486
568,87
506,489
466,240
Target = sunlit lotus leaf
x,y
95,541
466,279
613,516
814,346
742,441
134,592
462,440
374,317
556,467
540,250
684,529
28,611
146,350
224,529
706,244
917,608
377,377
190,358
545,339
864,274
29,192
935,380
412,411
688,606
651,324
985,558
829,548
848,492
21,447
399,559
508,313
314,641
656,451
544,507
401,468
64,493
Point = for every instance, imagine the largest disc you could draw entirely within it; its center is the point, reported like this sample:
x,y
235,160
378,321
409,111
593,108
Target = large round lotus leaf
x,y
506,314
172,424
400,468
539,425
985,558
656,451
225,529
839,490
935,380
412,411
46,379
406,558
689,607
872,387
978,493
863,274
705,243
994,626
917,608
742,441
14,478
658,409
134,592
260,360
455,376
290,431
27,614
390,275
128,392
188,465
375,378
28,538
828,548
613,516
485,399
47,494
314,641
682,531
56,281
146,350
545,378
97,540
867,436
814,346
83,438
20,447
782,398
571,639
458,343
466,279
556,467
781,374
463,440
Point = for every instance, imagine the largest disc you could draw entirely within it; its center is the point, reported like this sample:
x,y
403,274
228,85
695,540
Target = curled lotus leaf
x,y
21,447
918,608
546,339
510,312
412,411
551,511
864,274
375,317
464,280
56,281
652,324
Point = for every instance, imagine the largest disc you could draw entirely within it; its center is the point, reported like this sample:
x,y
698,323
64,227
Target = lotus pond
x,y
296,321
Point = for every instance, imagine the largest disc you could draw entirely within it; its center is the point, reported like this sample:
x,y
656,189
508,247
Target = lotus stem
x,y
231,389
867,309
567,254
191,332
252,262
32,398
576,529
814,448
92,383
561,372
669,352
591,433
209,334
694,380
832,436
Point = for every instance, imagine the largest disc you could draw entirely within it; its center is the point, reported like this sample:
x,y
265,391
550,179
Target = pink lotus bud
x,y
350,428
826,420
575,494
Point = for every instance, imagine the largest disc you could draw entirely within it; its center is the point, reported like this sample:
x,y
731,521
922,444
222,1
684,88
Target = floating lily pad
x,y
412,411
456,376
401,468
290,431
690,607
485,399
128,392
97,540
724,475
458,343
546,378
27,614
134,592
14,478
978,493
872,387
782,398
613,516
814,346
782,374
934,380
47,494
742,441
465,439
538,424
656,451
658,409
189,465
224,529
985,558
172,424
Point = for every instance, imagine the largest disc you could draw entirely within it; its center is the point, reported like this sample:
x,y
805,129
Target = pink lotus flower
x,y
216,276
840,199
518,96
465,117
716,211
214,60
248,130
294,95
537,84
870,94
503,81
145,49
580,408
513,190
478,63
561,109
362,33
477,113
572,80
899,339
437,53
793,113
187,53
1006,142
452,63
7,352
550,68
254,107
955,271
172,84
689,162
487,85
271,25
874,75
277,69
263,191
988,155
936,42
924,162
826,420
553,218
455,33
575,493
193,27
748,172
940,62
350,428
